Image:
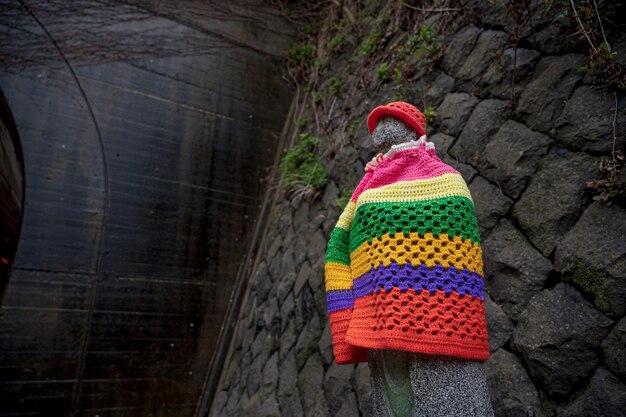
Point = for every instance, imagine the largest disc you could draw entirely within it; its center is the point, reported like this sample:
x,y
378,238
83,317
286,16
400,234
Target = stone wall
x,y
521,121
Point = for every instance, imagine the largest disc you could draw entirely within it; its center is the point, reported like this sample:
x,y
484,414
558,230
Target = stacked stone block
x,y
555,260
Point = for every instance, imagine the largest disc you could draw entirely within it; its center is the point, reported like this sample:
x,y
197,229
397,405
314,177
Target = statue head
x,y
392,131
395,123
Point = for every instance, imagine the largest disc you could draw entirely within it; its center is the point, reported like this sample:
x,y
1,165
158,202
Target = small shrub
x,y
607,73
335,42
427,43
397,76
302,170
383,71
400,89
354,126
369,44
430,112
301,122
602,63
334,85
610,188
344,198
311,27
301,53
318,96
310,85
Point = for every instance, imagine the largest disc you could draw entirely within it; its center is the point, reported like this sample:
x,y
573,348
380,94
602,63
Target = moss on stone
x,y
590,282
514,236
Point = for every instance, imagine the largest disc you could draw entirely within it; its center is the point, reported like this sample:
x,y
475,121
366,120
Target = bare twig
x,y
422,9
582,27
614,127
297,109
514,74
317,118
595,6
475,85
347,11
332,106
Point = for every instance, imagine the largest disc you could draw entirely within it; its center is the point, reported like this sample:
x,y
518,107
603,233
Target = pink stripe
x,y
361,187
406,165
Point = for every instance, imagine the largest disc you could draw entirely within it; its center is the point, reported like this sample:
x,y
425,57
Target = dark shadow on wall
x,y
11,192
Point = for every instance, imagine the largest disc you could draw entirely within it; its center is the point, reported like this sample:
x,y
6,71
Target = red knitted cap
x,y
404,111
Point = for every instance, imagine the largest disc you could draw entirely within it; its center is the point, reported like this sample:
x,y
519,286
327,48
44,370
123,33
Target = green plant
x,y
335,42
383,71
344,198
310,85
609,188
354,126
318,96
607,73
400,89
421,49
602,63
301,53
397,76
301,122
334,85
427,43
368,45
311,27
302,170
430,112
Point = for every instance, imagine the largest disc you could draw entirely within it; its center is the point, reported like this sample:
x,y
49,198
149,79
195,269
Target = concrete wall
x,y
146,133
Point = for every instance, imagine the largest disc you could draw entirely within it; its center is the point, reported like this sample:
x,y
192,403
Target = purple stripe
x,y
421,278
338,300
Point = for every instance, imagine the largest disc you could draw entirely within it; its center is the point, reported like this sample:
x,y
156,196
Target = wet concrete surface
x,y
146,133
11,192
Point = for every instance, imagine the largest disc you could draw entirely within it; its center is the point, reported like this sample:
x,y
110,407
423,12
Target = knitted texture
x,y
404,264
405,112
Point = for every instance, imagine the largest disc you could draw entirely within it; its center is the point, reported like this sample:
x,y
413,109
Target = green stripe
x,y
338,247
455,216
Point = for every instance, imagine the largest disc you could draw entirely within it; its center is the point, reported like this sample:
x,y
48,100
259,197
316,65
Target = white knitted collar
x,y
408,145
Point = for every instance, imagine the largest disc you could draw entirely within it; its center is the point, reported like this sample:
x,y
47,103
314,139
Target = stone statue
x,y
404,278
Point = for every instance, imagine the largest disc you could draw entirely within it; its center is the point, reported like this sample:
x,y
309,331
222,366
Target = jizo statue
x,y
404,278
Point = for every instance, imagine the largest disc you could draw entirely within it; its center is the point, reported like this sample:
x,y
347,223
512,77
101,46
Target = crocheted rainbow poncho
x,y
404,265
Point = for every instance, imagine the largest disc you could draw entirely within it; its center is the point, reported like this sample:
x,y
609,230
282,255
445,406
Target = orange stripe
x,y
420,322
344,352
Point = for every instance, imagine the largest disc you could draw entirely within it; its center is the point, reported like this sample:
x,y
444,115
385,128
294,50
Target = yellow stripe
x,y
445,185
412,248
345,220
338,277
